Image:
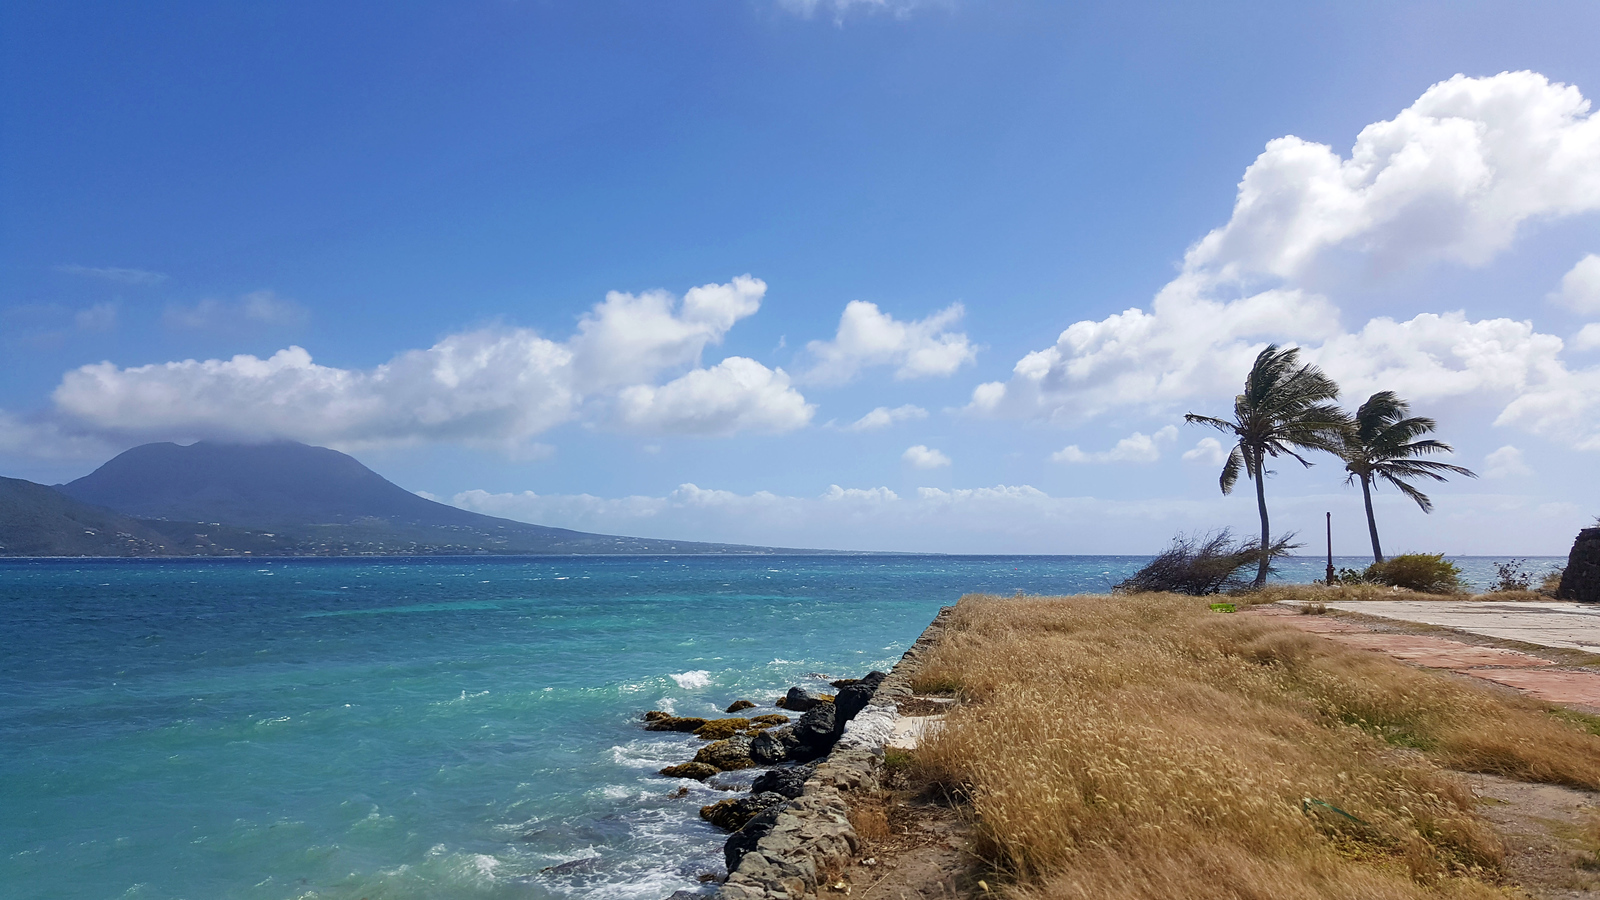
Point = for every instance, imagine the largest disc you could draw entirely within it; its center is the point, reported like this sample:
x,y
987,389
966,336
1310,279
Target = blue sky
x,y
394,230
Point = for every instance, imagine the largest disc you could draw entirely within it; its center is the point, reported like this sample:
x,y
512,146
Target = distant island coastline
x,y
280,499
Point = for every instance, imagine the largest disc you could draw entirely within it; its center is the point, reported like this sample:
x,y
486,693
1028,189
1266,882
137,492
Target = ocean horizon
x,y
441,727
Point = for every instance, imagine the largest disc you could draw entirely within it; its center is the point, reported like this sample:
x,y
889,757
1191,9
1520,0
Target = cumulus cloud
x,y
1580,287
737,394
112,273
1505,463
883,417
867,336
1136,447
494,386
923,457
1207,450
254,309
1587,338
1452,177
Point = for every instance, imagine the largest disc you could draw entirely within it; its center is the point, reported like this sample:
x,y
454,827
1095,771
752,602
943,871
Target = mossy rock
x,y
718,729
739,706
660,721
697,771
769,720
728,755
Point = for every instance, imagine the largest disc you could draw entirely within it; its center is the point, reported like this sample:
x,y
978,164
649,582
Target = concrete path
x,y
1551,623
1564,627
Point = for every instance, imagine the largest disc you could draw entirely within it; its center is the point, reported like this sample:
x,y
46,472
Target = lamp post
x,y
1329,580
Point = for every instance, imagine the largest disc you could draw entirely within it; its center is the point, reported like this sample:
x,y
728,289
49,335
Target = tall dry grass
x,y
1144,746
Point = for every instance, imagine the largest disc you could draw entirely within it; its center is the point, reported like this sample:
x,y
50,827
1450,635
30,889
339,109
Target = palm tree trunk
x,y
1261,503
1372,523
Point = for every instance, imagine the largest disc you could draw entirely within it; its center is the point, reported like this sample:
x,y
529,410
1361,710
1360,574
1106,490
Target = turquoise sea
x,y
420,728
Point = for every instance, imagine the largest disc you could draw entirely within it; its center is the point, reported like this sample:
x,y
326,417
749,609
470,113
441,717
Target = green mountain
x,y
36,520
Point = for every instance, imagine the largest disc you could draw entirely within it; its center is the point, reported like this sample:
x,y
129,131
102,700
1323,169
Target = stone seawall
x,y
813,834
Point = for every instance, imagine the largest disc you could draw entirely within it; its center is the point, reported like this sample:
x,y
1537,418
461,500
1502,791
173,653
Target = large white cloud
x,y
1452,177
737,394
867,336
498,386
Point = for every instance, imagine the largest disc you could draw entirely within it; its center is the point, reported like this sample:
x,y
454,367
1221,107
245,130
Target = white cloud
x,y
628,339
494,386
868,336
1207,450
923,457
843,8
255,309
1136,447
737,394
1580,287
111,273
1452,177
883,417
99,317
44,439
1019,518
1587,338
1504,463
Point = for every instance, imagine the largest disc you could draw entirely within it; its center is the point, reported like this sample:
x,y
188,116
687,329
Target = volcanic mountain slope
x,y
294,499
36,520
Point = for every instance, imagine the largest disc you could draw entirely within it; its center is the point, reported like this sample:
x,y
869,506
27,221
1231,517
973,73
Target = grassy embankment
x,y
1144,746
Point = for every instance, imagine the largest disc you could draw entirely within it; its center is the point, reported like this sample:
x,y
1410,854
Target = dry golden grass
x,y
1145,746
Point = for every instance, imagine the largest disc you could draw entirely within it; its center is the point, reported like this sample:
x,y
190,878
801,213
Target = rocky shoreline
x,y
794,822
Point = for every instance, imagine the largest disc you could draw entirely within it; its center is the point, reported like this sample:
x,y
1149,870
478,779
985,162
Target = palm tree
x,y
1383,443
1285,407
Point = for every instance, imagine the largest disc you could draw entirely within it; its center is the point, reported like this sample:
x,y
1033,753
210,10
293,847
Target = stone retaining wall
x,y
813,832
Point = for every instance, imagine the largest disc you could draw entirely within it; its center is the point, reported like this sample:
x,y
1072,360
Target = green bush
x,y
1430,573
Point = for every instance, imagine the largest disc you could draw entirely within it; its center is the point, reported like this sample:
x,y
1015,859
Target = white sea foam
x,y
689,681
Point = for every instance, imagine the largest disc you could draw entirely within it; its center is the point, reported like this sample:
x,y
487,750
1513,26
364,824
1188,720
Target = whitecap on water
x,y
689,681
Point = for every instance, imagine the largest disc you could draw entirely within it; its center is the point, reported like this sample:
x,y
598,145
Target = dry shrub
x,y
1143,746
869,821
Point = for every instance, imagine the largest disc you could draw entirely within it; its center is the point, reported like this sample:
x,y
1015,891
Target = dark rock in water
x,y
739,706
798,699
774,746
730,815
684,895
789,783
850,701
717,729
816,727
727,755
1581,579
586,866
745,839
656,720
697,770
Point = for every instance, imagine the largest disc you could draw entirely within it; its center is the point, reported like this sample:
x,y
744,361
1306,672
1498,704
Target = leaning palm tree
x,y
1383,443
1286,407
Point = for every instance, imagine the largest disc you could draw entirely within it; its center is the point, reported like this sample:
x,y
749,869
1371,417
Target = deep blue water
x,y
439,728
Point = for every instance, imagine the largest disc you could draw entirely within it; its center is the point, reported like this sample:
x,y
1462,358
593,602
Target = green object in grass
x,y
1222,607
1307,802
